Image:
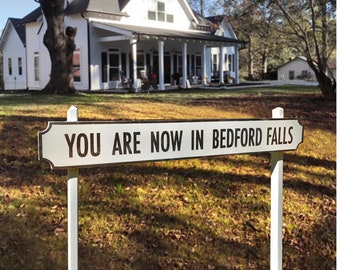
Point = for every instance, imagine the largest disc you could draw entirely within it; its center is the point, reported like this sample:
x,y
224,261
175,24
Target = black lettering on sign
x,y
197,139
290,140
83,143
215,142
230,137
226,138
70,143
126,143
166,140
279,135
95,152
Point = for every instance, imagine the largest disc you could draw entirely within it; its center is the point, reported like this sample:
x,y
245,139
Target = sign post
x,y
276,204
72,205
71,145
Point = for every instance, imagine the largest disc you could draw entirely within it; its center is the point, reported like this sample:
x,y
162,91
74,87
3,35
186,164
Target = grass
x,y
209,213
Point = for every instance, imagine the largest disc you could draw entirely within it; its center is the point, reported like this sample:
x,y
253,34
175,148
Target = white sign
x,y
85,144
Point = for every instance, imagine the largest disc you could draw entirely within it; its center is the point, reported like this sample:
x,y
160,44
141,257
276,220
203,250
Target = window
x,y
304,74
160,14
20,66
36,67
9,66
141,72
104,67
198,66
180,64
114,67
161,11
214,63
231,62
152,15
291,75
76,66
169,18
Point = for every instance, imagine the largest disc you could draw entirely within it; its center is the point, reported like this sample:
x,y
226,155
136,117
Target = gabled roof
x,y
101,6
302,58
216,19
202,23
17,26
33,16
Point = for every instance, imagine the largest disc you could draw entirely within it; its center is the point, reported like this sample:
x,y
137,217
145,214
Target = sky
x,y
15,9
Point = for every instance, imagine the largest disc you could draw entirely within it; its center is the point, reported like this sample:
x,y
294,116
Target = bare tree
x,y
310,27
251,20
60,43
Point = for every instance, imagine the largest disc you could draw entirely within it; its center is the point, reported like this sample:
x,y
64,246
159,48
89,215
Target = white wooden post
x,y
221,65
204,61
72,204
184,65
161,65
276,203
133,43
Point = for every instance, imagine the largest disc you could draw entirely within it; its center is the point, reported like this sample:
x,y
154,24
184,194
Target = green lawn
x,y
208,213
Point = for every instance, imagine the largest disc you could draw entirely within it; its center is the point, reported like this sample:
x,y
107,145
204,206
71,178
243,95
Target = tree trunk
x,y
326,86
250,60
61,45
265,63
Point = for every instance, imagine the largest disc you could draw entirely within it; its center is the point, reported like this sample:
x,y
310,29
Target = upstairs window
x,y
160,14
161,11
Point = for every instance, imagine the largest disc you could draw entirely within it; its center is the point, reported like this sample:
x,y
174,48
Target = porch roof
x,y
150,32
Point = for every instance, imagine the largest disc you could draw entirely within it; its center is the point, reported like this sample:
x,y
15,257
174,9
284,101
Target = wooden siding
x,y
14,49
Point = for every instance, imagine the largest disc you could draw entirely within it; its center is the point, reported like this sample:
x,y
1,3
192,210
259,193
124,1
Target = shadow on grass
x,y
159,237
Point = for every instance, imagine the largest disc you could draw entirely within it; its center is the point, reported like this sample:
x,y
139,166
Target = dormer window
x,y
160,14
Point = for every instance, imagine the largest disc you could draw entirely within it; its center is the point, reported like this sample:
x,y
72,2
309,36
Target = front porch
x,y
171,58
144,86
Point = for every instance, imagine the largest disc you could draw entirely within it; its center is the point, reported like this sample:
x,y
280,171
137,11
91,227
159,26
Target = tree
x,y
205,7
253,21
60,43
310,27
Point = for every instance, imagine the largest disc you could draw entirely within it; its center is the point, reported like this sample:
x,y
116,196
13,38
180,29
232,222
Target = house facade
x,y
296,69
130,38
14,55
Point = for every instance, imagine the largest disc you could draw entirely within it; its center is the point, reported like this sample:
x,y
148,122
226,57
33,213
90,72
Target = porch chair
x,y
125,82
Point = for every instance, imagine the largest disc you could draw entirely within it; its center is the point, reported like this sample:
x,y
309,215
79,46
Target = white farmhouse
x,y
124,38
296,69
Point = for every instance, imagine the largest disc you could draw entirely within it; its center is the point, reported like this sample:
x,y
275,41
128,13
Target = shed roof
x,y
190,35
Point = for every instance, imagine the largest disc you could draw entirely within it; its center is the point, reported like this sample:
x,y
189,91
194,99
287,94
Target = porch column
x,y
133,43
184,65
204,61
237,64
161,65
221,65
209,64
